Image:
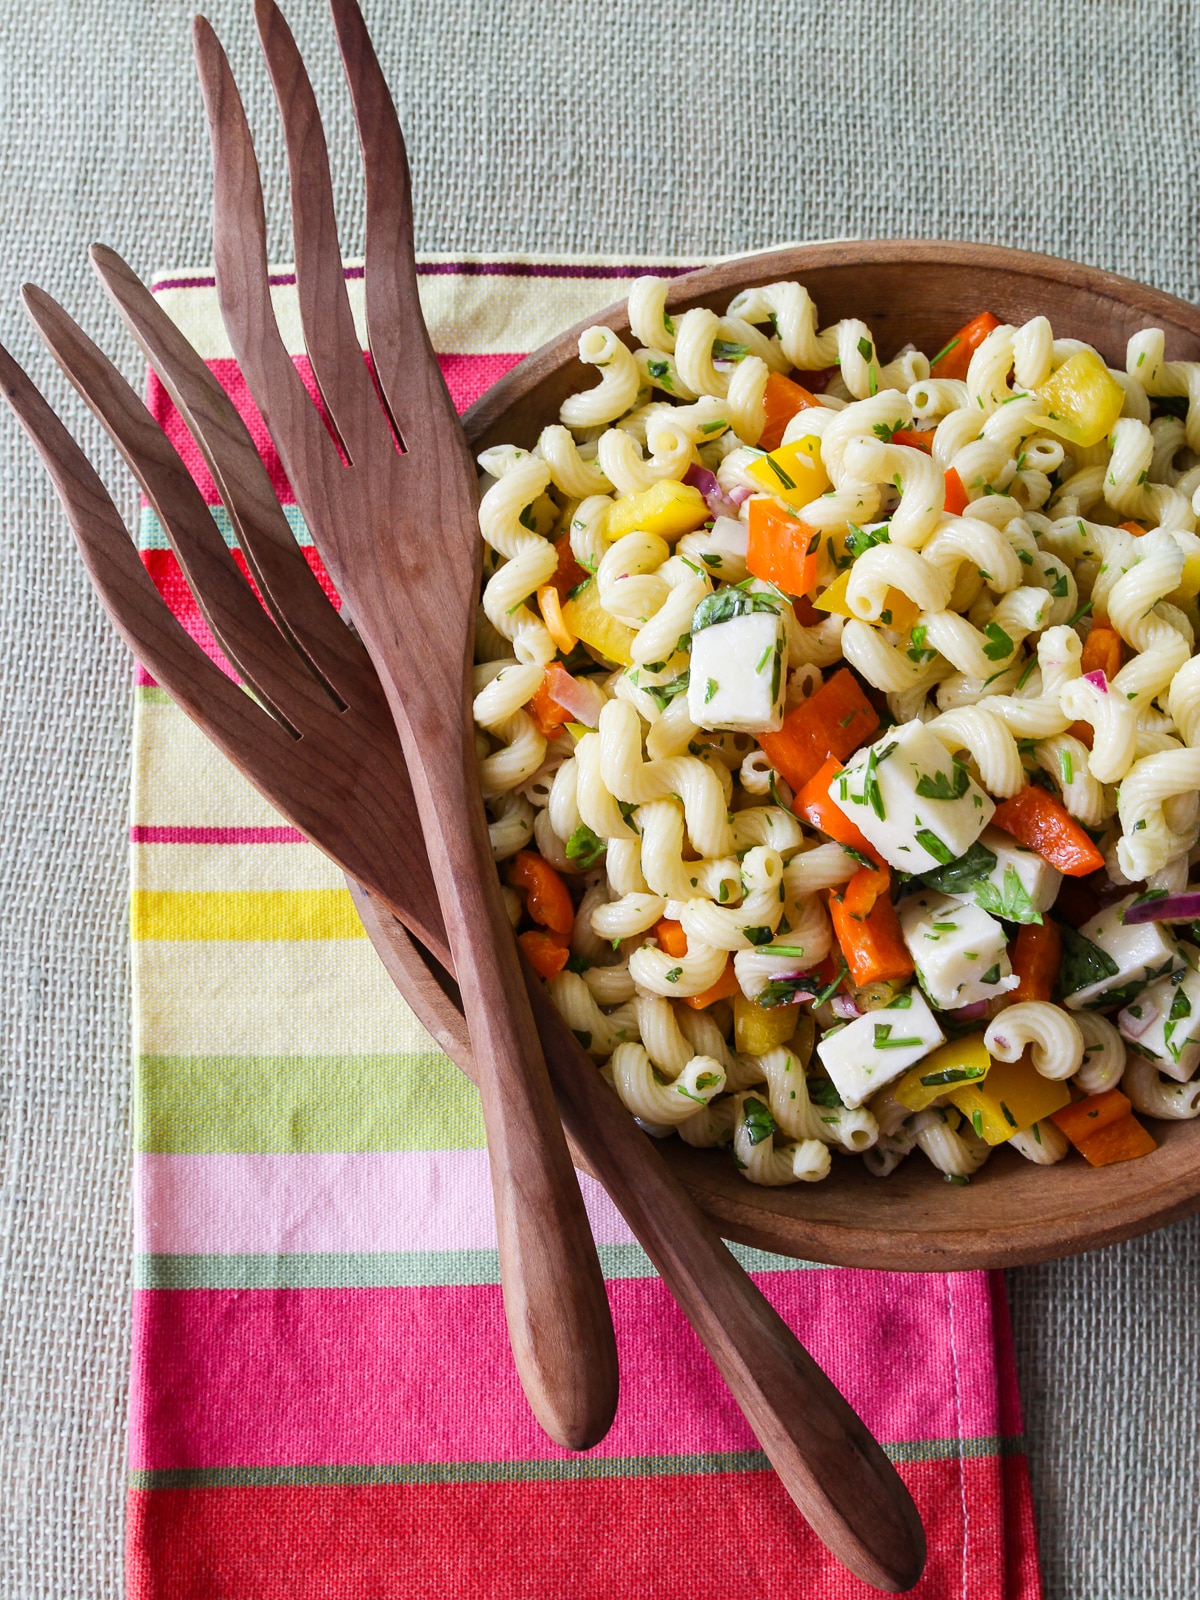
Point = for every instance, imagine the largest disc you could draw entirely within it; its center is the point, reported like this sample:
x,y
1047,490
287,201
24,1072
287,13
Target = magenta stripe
x,y
140,834
471,269
304,1376
256,1204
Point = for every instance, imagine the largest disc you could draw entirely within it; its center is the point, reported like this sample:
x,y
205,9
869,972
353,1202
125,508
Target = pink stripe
x,y
140,834
304,1376
255,1204
466,377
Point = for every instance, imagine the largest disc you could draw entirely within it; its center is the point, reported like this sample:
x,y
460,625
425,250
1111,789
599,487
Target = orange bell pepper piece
x,y
1102,652
832,722
725,987
1040,821
817,809
782,399
545,710
546,952
956,494
568,572
1035,954
671,937
868,930
780,549
955,358
1135,528
547,898
1104,1130
914,439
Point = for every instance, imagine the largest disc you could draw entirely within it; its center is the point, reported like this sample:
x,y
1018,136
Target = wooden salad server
x,y
320,744
388,490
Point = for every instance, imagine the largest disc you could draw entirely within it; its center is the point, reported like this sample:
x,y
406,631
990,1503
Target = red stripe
x,y
467,377
670,1538
141,834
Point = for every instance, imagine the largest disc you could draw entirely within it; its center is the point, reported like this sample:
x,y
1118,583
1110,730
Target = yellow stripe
x,y
244,914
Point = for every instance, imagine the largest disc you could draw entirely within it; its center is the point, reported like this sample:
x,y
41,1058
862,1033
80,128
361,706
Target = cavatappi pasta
x,y
838,722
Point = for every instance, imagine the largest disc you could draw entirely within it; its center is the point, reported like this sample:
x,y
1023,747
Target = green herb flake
x,y
585,848
759,1122
999,644
883,1039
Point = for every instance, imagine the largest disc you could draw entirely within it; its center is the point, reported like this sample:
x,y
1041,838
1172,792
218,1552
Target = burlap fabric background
x,y
572,125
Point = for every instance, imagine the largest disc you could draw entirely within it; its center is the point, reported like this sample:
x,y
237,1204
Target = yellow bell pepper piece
x,y
794,473
755,1030
668,508
1082,399
948,1068
1189,585
1013,1096
899,611
586,618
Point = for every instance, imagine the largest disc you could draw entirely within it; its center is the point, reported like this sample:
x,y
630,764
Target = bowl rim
x,y
1118,1203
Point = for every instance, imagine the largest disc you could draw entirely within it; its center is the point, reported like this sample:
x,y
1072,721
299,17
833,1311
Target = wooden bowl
x,y
1012,1211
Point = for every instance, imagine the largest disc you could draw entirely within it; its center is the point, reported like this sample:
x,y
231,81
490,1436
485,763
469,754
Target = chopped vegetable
x,y
568,574
546,711
780,549
725,988
832,722
782,399
1012,1096
868,931
1083,400
550,605
547,898
547,953
1165,908
1102,651
1036,956
1104,1130
914,440
898,611
1040,821
958,1061
793,473
586,618
757,1030
671,937
815,806
954,358
956,494
668,508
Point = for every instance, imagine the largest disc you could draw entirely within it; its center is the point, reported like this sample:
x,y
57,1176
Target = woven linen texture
x,y
611,126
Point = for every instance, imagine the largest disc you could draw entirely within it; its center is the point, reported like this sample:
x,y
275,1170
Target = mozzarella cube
x,y
737,677
1163,1024
873,1049
909,799
1122,959
960,953
1035,876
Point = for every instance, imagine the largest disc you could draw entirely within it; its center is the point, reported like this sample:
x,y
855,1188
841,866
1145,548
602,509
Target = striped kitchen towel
x,y
322,1400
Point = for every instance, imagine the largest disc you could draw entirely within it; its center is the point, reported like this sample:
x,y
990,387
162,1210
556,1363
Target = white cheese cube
x,y
1110,962
960,953
1163,1024
908,797
737,677
1032,878
873,1049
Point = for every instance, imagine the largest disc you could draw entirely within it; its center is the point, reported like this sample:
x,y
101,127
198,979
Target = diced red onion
x,y
715,497
1097,679
815,382
1167,908
972,1013
581,697
844,1006
1135,1027
739,494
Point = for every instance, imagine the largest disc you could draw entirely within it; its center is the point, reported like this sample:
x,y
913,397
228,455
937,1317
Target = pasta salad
x,y
839,729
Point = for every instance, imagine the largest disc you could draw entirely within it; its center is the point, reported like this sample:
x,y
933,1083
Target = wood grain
x,y
1012,1212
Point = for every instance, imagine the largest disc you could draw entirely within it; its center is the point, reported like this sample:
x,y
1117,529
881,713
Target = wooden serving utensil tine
x,y
826,1459
398,534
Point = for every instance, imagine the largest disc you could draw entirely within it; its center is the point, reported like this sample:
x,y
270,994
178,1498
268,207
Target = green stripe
x,y
152,536
311,1104
573,1469
152,695
387,1269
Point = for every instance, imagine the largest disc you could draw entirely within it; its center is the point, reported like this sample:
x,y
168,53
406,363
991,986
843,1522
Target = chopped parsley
x,y
584,848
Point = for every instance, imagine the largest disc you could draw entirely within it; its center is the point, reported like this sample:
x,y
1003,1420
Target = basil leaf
x,y
959,876
726,604
760,1124
823,1092
1083,963
585,848
1012,902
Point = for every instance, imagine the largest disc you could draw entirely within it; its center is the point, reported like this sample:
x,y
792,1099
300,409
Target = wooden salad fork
x,y
321,746
388,490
